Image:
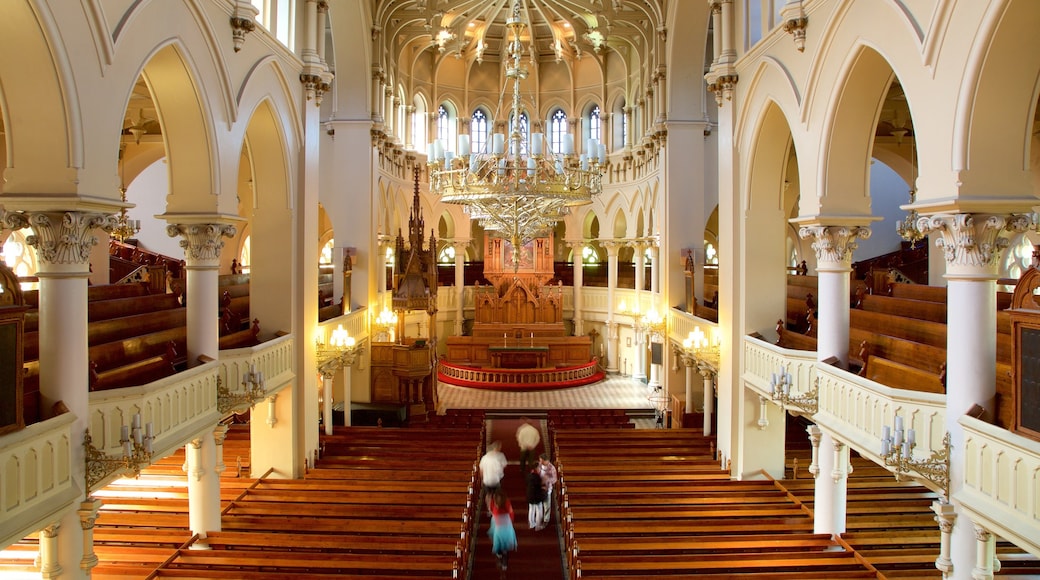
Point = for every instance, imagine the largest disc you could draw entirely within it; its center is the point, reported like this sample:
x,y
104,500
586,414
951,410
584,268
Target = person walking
x,y
547,472
535,498
492,466
502,533
527,437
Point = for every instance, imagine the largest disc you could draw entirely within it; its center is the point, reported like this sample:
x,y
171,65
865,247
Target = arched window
x,y
594,123
19,258
443,130
624,128
245,256
557,129
447,255
478,131
325,258
589,255
711,255
419,123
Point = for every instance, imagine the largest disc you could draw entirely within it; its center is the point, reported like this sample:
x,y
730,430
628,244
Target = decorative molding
x,y
834,244
243,21
972,240
60,237
795,22
201,242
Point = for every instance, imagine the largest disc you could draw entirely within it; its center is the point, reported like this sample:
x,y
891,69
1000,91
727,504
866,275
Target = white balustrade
x,y
1001,488
178,407
762,359
856,411
681,324
36,483
356,323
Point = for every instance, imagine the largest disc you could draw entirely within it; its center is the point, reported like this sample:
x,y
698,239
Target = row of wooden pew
x,y
570,418
654,503
380,503
897,339
134,337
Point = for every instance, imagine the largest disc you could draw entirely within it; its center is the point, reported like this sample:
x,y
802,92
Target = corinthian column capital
x,y
834,244
60,238
972,242
202,243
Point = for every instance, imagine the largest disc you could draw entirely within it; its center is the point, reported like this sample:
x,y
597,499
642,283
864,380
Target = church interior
x,y
763,273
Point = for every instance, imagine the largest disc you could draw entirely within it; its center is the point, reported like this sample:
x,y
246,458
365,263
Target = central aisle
x,y
539,553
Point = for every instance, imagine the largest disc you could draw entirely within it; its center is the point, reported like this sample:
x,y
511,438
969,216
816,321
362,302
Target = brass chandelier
x,y
518,192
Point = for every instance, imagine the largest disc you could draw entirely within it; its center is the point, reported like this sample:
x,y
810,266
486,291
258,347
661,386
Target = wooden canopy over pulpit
x,y
402,371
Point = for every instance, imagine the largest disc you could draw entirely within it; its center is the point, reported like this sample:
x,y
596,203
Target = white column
x,y
972,248
326,401
319,31
577,263
641,345
202,244
62,241
346,394
709,396
655,368
945,514
639,370
834,246
831,483
690,369
50,564
384,243
985,545
639,257
88,512
309,50
655,267
612,247
460,284
203,485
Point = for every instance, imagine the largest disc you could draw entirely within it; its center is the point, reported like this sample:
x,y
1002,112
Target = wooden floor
x,y
402,503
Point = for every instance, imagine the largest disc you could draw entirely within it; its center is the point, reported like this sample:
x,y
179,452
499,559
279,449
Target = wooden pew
x,y
684,525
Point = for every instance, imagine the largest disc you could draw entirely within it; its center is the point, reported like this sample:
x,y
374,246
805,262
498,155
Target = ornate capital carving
x,y
612,246
60,237
982,534
201,242
972,241
88,512
834,244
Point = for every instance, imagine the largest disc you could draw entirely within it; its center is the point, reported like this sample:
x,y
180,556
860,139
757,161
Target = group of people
x,y
540,477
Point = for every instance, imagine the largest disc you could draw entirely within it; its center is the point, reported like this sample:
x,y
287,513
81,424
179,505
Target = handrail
x,y
460,375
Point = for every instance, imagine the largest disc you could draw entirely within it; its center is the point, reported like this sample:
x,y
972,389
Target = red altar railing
x,y
519,379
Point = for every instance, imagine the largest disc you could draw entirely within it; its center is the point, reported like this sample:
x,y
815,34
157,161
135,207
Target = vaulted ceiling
x,y
556,29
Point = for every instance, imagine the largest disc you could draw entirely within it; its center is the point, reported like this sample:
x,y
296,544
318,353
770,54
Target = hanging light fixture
x,y
125,228
520,191
907,228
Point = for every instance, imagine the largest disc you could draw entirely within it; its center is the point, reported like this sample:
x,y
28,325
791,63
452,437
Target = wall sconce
x,y
137,453
897,448
254,389
698,346
387,321
781,384
339,352
653,323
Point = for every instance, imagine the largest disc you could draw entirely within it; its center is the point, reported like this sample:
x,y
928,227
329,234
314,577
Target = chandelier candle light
x,y
517,192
